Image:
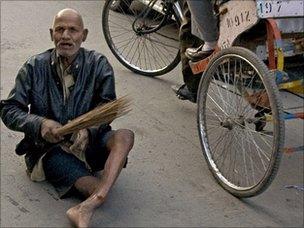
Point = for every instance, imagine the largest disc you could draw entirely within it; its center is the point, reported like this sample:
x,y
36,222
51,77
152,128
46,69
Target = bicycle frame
x,y
168,8
175,4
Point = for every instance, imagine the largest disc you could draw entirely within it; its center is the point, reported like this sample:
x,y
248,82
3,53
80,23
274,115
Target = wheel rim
x,y
239,154
148,53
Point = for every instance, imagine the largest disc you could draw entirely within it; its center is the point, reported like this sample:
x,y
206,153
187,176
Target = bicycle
x,y
143,34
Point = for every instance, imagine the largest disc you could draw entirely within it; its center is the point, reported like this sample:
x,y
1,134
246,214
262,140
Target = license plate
x,y
280,8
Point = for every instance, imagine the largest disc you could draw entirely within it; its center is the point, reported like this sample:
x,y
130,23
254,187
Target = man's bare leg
x,y
97,190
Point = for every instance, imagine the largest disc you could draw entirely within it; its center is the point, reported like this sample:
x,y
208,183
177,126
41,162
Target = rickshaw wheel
x,y
240,122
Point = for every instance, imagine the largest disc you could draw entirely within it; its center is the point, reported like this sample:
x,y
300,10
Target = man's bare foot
x,y
80,215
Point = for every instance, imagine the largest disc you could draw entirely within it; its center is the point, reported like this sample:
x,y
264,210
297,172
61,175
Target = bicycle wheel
x,y
129,36
240,122
120,5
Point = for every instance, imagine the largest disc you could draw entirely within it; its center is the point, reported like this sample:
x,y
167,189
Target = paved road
x,y
167,182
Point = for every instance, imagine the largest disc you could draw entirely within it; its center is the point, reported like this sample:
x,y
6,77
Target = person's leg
x,y
119,146
202,13
187,40
63,169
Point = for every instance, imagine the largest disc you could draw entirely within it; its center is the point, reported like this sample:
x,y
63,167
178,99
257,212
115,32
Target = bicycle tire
x,y
159,51
221,96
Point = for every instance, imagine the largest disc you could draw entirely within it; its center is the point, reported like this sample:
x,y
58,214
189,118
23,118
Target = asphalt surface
x,y
167,182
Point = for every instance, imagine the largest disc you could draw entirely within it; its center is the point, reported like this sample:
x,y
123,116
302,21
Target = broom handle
x,y
60,131
123,102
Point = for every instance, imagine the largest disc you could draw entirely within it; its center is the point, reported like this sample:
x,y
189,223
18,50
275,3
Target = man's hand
x,y
48,131
80,142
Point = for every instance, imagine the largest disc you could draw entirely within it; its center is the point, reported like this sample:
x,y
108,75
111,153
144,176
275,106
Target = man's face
x,y
68,34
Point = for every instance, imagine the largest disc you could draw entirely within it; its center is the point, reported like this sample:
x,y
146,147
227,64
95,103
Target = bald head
x,y
68,13
68,32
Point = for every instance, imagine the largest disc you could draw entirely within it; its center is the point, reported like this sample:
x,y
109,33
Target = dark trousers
x,y
188,40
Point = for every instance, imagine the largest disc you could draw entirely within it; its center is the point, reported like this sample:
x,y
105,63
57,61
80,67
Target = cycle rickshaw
x,y
240,116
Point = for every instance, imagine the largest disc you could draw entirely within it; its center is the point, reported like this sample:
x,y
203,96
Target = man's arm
x,y
14,110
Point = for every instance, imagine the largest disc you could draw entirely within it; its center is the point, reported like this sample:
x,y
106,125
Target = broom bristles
x,y
103,114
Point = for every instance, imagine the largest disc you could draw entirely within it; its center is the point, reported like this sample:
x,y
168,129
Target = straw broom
x,y
103,114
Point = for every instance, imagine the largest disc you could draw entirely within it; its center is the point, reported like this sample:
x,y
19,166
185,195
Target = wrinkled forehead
x,y
68,19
